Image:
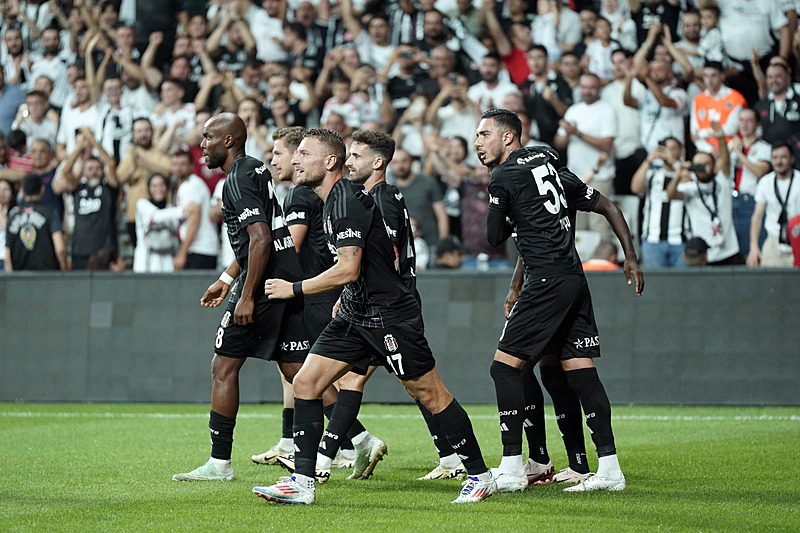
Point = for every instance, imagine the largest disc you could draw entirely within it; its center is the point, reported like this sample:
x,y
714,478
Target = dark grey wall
x,y
714,336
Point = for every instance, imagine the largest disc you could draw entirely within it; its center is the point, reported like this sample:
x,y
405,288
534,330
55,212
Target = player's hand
x,y
243,314
215,294
278,289
632,269
511,299
336,307
753,258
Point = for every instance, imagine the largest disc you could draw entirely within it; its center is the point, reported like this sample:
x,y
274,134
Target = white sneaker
x,y
286,491
368,458
476,490
568,475
509,482
443,472
537,473
595,482
270,457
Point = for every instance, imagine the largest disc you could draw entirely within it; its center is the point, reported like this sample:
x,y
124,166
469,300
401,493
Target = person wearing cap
x,y
717,103
449,253
695,252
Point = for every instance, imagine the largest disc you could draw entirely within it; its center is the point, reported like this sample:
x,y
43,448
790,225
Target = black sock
x,y
533,421
287,420
221,435
510,402
344,442
458,428
307,432
443,447
569,417
343,413
586,384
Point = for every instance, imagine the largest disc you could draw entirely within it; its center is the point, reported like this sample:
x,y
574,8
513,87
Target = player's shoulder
x,y
250,166
524,159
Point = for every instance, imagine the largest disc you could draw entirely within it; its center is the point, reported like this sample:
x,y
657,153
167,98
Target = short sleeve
x,y
297,209
579,195
245,198
351,229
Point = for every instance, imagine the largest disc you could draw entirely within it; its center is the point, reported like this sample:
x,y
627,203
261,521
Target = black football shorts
x,y
401,348
552,316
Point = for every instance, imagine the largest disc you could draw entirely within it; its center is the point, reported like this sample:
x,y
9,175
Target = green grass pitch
x,y
101,467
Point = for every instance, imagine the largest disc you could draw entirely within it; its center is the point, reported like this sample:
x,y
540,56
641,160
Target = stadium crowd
x,y
683,111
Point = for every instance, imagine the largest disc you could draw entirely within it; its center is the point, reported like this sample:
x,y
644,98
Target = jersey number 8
x,y
547,188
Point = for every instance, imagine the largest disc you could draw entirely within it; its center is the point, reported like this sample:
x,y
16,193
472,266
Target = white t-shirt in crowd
x,y
195,191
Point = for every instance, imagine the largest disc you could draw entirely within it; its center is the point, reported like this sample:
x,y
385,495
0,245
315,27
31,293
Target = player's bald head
x,y
229,125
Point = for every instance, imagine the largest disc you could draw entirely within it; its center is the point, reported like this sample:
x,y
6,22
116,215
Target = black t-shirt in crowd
x,y
248,196
540,203
378,298
95,218
29,236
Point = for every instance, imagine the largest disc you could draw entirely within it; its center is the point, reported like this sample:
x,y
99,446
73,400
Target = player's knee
x,y
501,372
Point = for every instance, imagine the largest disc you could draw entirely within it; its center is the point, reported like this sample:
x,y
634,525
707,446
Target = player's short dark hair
x,y
332,140
710,7
787,145
16,139
506,119
377,141
296,27
184,153
539,47
32,184
291,135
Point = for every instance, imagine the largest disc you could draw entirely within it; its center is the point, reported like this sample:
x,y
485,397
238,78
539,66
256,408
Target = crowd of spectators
x,y
689,105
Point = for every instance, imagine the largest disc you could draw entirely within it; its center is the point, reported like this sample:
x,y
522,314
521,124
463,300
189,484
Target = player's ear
x,y
228,141
330,162
377,163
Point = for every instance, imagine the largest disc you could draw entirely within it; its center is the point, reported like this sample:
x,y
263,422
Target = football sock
x,y
458,428
586,384
307,431
287,419
221,435
450,461
533,421
511,464
344,441
222,466
307,482
286,445
361,441
510,400
437,433
342,414
608,466
569,417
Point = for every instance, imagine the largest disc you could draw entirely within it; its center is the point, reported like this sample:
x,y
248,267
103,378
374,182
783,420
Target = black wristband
x,y
297,288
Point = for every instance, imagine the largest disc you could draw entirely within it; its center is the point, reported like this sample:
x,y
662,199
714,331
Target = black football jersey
x,y
248,196
393,210
378,298
302,206
529,197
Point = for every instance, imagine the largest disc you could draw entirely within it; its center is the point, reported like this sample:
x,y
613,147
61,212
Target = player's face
x,y
309,162
360,162
213,145
489,143
282,160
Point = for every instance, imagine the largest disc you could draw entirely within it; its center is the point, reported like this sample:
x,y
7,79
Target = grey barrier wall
x,y
712,336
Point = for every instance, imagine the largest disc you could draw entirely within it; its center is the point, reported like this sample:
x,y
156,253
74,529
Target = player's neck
x,y
324,188
374,179
231,159
511,148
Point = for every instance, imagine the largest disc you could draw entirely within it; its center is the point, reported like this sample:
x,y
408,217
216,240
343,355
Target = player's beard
x,y
310,180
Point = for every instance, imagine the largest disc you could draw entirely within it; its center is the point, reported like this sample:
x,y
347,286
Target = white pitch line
x,y
742,418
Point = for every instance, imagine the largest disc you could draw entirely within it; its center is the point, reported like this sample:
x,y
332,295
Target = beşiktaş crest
x,y
390,343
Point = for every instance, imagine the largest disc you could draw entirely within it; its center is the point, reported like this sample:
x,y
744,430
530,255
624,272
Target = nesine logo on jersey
x,y
494,200
260,170
523,160
297,215
589,192
247,213
349,233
